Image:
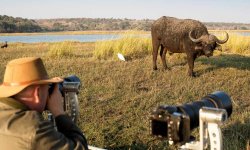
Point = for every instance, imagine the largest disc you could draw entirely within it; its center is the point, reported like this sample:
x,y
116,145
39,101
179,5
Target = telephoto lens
x,y
217,99
176,122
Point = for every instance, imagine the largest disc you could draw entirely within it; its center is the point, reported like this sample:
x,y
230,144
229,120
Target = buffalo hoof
x,y
167,68
155,68
192,74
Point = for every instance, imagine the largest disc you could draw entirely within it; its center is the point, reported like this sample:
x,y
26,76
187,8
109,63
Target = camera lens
x,y
217,99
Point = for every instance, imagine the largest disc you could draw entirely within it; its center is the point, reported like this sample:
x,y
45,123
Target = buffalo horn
x,y
222,41
193,39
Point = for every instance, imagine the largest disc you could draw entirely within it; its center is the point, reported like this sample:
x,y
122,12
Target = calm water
x,y
80,38
58,38
244,33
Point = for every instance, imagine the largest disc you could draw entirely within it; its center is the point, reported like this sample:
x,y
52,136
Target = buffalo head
x,y
208,43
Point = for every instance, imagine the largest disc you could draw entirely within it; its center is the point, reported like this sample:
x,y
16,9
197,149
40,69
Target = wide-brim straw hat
x,y
23,72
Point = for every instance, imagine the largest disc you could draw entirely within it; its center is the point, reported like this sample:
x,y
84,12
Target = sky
x,y
231,11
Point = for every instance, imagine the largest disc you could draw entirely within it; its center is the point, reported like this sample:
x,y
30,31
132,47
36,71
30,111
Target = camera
x,y
176,122
67,80
69,89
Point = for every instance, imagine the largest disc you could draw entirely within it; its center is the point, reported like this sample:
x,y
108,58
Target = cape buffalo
x,y
182,36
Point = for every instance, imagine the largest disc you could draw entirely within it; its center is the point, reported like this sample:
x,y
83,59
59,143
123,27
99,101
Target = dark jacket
x,y
23,129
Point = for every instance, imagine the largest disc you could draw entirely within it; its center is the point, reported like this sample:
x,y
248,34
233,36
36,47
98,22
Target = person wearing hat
x,y
23,97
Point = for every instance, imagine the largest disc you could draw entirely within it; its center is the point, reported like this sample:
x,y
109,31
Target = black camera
x,y
71,78
69,89
176,122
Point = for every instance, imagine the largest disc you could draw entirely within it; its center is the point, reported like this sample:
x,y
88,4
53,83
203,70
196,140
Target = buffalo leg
x,y
156,45
163,57
190,59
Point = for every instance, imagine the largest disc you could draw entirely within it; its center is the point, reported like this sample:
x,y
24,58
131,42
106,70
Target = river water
x,y
58,38
80,38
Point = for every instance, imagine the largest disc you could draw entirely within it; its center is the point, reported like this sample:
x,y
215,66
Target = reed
x,y
237,44
131,44
60,49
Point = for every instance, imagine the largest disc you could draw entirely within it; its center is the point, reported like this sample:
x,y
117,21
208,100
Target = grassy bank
x,y
117,97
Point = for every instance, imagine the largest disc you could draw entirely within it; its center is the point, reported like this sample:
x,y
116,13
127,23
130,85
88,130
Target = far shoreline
x,y
94,32
72,33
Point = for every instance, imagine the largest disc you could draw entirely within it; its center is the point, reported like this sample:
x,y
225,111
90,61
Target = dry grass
x,y
117,97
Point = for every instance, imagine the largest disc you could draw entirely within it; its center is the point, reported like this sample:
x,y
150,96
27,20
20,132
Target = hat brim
x,y
7,91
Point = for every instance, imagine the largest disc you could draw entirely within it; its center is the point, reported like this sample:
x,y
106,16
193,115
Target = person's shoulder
x,y
31,120
35,123
22,124
35,116
30,116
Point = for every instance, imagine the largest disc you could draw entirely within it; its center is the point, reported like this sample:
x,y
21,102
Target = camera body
x,y
72,79
168,122
175,123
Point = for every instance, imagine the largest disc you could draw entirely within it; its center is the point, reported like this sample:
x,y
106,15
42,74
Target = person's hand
x,y
55,102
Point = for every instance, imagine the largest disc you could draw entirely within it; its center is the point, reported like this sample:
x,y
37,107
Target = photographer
x,y
23,97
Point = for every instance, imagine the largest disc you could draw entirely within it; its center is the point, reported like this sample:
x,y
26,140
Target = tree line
x,y
10,24
82,24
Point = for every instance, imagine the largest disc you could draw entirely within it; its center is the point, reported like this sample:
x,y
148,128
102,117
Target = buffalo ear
x,y
218,47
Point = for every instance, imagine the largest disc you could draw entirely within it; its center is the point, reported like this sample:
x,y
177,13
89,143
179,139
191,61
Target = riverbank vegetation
x,y
116,98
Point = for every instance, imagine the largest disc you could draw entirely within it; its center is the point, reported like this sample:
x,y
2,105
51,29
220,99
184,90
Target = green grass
x,y
117,97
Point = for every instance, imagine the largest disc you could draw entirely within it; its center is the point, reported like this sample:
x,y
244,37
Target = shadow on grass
x,y
148,144
236,135
139,146
223,61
